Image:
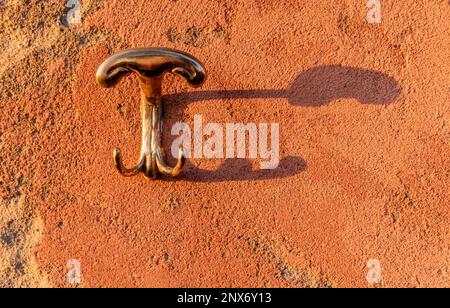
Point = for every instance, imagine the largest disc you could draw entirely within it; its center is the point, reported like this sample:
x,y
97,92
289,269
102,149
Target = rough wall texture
x,y
364,123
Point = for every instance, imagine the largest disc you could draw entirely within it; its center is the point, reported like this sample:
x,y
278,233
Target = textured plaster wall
x,y
364,122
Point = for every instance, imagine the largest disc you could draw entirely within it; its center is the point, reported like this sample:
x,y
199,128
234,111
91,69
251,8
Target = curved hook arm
x,y
166,170
122,169
150,64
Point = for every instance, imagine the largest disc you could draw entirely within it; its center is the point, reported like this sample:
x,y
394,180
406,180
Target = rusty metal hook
x,y
150,64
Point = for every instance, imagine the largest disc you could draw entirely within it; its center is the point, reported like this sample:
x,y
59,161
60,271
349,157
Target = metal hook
x,y
150,64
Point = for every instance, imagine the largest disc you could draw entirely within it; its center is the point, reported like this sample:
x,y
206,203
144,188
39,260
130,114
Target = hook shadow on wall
x,y
314,87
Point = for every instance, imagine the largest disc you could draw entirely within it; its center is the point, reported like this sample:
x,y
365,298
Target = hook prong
x,y
122,169
165,169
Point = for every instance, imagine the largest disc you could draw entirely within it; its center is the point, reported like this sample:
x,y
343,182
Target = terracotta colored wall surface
x,y
363,110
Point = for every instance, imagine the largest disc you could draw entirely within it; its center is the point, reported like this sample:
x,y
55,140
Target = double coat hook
x,y
150,64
